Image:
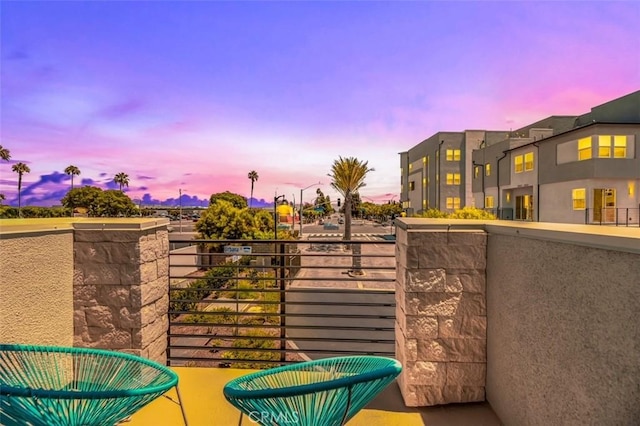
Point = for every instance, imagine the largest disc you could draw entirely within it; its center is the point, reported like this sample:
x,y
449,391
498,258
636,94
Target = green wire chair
x,y
325,392
49,385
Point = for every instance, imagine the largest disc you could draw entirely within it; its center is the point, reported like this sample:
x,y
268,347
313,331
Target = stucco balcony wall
x,y
36,274
562,309
100,283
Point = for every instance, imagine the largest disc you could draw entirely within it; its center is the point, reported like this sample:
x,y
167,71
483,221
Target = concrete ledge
x,y
626,239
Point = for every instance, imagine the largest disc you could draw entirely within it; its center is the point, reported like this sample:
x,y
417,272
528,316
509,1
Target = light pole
x,y
180,201
301,191
275,215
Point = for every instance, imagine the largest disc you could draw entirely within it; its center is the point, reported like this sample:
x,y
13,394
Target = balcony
x,y
487,316
201,390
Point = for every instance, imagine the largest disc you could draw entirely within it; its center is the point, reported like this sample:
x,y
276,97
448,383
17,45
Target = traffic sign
x,y
237,250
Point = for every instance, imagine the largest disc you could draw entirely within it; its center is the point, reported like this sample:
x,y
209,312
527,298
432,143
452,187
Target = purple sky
x,y
194,95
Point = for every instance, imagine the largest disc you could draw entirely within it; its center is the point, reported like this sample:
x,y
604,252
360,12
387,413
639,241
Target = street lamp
x,y
301,191
275,215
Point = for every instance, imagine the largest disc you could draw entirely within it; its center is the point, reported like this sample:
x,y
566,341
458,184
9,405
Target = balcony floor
x,y
204,403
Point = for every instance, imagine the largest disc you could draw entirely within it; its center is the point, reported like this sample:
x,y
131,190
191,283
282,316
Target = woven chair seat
x,y
48,385
325,392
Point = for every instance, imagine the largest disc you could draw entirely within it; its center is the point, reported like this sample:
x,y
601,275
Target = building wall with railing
x,y
562,308
562,337
85,282
36,277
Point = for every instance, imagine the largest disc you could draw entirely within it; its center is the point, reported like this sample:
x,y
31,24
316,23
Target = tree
x,y
72,171
347,177
99,203
2,198
253,175
4,153
121,179
238,201
20,169
112,203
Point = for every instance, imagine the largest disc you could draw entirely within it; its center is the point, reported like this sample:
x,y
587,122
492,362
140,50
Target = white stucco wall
x,y
36,287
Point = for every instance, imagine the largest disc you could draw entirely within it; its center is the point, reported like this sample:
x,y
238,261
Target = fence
x,y
257,303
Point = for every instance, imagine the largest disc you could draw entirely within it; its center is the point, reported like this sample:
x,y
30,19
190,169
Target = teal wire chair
x,y
50,385
325,392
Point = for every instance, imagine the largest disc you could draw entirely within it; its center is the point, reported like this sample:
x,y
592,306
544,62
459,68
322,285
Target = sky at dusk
x,y
193,95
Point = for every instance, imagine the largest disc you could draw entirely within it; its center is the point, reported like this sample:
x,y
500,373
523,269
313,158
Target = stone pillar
x,y
121,283
441,316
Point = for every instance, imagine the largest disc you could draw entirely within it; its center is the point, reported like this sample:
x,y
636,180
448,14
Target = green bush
x,y
472,213
249,342
244,291
433,213
220,316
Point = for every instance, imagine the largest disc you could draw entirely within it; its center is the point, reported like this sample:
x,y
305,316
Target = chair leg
x,y
184,415
346,410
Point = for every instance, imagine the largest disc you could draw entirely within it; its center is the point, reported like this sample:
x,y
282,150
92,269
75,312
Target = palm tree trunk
x,y
251,197
19,197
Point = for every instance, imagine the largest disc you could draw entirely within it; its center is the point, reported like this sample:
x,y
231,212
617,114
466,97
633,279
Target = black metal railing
x,y
618,216
259,303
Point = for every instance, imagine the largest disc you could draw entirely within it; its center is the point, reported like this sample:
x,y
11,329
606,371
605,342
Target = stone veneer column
x,y
121,298
441,316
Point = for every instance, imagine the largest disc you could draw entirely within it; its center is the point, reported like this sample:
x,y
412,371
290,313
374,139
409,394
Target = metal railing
x,y
259,303
618,216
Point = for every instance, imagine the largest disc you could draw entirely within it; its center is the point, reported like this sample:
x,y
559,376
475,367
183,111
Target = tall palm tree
x,y
20,169
4,153
253,175
72,171
122,179
347,177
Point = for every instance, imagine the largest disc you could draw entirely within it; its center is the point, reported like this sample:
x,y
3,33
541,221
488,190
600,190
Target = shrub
x,y
472,213
433,213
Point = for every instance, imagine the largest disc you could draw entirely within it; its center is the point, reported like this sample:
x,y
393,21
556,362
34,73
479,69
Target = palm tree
x,y
4,153
2,198
20,169
253,175
72,171
347,177
122,179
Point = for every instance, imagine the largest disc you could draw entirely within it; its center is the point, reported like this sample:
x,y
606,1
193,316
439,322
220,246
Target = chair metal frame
x,y
327,391
65,385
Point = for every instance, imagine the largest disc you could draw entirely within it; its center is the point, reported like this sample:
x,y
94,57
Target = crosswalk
x,y
339,235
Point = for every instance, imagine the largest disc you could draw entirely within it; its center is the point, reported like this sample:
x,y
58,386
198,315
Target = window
x,y
424,160
412,185
579,196
488,202
453,202
487,169
518,163
528,161
424,182
604,146
424,203
584,148
410,166
453,178
476,172
605,143
619,146
453,155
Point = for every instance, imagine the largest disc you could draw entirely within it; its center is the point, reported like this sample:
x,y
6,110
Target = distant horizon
x,y
192,96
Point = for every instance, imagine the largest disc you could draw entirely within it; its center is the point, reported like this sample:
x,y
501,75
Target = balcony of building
x,y
494,322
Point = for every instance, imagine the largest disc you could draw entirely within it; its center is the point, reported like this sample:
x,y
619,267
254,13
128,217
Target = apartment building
x,y
571,169
437,173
